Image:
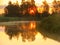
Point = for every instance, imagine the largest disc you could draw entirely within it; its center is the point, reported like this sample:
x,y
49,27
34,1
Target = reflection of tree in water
x,y
12,31
30,35
27,31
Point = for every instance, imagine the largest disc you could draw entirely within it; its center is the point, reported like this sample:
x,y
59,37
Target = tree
x,y
46,9
12,10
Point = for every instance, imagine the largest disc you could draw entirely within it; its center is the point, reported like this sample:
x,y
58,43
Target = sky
x,y
5,2
4,40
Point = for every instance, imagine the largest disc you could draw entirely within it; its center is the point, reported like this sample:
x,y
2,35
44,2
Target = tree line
x,y
24,10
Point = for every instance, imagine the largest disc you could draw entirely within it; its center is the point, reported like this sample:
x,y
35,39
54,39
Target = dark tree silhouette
x,y
12,31
28,9
12,10
24,8
46,9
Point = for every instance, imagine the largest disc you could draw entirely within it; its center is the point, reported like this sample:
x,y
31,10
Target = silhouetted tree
x,y
12,31
24,8
51,24
28,9
12,10
46,9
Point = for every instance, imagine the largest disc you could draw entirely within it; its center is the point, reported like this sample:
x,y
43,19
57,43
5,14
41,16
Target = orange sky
x,y
1,11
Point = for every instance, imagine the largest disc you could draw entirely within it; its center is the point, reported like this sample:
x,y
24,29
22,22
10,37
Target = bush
x,y
51,24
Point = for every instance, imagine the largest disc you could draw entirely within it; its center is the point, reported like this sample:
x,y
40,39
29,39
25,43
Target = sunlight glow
x,y
31,12
40,9
32,25
4,2
38,2
49,1
1,11
14,1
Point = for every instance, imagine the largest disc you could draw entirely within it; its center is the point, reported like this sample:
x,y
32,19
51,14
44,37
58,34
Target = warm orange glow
x,y
50,10
32,25
40,5
49,1
31,12
4,2
1,11
40,9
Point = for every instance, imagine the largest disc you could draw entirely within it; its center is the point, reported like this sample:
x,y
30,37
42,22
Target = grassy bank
x,y
4,19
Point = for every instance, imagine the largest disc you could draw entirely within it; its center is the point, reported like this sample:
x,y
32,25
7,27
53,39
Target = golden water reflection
x,y
4,40
26,32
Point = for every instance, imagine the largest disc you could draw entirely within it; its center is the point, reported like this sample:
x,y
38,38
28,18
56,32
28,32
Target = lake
x,y
24,33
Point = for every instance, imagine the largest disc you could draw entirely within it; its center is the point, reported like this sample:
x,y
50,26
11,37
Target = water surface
x,y
24,34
